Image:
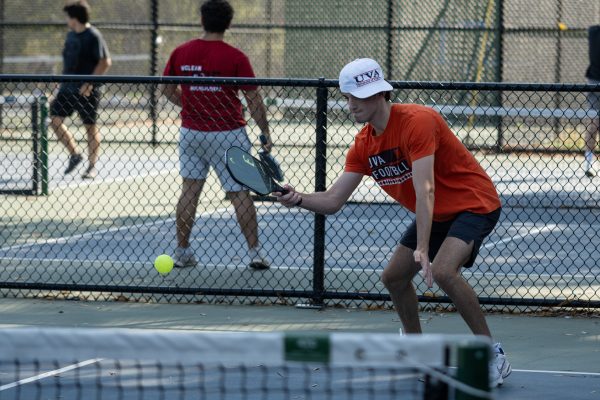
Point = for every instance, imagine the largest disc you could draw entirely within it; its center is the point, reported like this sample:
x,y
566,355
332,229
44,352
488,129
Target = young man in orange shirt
x,y
413,155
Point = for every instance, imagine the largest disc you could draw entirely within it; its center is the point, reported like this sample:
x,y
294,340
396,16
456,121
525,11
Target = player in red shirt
x,y
413,155
212,120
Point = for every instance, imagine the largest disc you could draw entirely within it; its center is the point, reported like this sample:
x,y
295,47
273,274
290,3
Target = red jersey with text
x,y
210,107
414,132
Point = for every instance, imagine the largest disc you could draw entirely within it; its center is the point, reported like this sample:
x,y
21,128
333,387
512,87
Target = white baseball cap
x,y
363,78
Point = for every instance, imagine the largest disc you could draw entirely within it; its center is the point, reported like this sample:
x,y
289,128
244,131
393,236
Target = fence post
x,y
269,49
35,131
558,67
389,38
153,67
500,61
2,22
320,186
44,144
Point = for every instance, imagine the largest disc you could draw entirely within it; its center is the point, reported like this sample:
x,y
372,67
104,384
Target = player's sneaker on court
x,y
590,173
74,160
184,257
90,173
257,259
499,366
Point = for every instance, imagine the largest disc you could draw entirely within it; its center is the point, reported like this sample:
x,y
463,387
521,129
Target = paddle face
x,y
270,161
272,164
250,172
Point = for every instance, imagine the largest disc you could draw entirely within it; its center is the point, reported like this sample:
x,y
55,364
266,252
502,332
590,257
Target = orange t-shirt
x,y
413,132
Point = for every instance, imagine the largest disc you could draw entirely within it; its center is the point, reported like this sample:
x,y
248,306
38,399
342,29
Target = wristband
x,y
298,203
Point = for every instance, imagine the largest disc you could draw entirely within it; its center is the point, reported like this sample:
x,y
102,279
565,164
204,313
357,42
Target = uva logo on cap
x,y
367,77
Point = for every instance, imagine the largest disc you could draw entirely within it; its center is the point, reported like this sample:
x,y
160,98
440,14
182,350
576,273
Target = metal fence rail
x,y
99,238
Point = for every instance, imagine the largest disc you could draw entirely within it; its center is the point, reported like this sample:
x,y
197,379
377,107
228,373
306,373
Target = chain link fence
x,y
459,40
97,239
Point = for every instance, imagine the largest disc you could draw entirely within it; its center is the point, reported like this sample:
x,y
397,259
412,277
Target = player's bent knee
x,y
394,279
443,276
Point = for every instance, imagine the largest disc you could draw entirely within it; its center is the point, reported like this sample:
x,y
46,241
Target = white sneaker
x,y
499,366
590,173
184,257
258,259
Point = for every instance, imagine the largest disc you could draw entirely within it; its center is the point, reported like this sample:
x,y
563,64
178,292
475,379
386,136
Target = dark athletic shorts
x,y
466,226
66,103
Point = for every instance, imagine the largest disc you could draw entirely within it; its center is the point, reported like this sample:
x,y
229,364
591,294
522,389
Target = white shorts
x,y
198,151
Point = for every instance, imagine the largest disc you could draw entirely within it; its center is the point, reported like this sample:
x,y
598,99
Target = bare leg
x,y
63,135
93,137
452,255
246,216
186,210
397,278
590,144
591,133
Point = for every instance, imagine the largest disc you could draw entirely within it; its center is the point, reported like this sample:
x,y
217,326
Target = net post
x,y
473,368
44,144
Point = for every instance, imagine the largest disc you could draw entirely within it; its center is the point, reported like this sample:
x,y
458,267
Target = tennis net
x,y
133,364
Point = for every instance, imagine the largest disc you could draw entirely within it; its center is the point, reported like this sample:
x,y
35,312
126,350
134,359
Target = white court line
x,y
65,239
132,265
49,374
330,270
100,180
531,232
96,360
218,211
525,276
536,371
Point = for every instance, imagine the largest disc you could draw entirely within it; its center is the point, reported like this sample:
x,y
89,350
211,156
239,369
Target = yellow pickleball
x,y
163,264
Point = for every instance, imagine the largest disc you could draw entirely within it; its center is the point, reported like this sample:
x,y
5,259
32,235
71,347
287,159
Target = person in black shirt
x,y
85,53
593,76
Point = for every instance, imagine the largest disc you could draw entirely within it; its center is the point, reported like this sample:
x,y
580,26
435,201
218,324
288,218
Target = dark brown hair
x,y
216,15
80,10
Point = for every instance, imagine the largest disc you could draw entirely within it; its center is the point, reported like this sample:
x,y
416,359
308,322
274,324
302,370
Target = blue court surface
x,y
550,254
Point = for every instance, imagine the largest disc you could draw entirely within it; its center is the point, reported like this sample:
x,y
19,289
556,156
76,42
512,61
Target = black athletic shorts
x,y
65,103
466,226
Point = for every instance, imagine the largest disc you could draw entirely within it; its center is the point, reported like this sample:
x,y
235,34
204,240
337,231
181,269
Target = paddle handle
x,y
263,139
281,189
